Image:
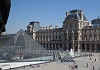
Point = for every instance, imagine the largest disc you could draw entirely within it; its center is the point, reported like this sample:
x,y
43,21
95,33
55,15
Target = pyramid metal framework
x,y
22,45
67,58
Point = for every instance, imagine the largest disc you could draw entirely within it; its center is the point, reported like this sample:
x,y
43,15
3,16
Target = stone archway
x,y
88,47
98,47
53,46
83,47
92,48
47,46
57,46
50,46
70,37
70,46
60,45
44,45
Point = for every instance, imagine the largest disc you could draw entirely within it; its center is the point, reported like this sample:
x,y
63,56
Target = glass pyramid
x,y
67,58
22,46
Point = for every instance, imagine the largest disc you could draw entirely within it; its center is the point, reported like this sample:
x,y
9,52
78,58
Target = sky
x,y
47,12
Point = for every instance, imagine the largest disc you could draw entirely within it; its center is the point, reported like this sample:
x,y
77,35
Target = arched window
x,y
92,48
88,47
83,47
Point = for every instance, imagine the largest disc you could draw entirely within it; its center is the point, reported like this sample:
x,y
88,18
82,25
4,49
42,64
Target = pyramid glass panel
x,y
22,46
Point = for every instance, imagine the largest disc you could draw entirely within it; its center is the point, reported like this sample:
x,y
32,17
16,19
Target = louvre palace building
x,y
76,33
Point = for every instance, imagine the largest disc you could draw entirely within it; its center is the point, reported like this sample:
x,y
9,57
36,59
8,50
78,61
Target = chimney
x,y
81,12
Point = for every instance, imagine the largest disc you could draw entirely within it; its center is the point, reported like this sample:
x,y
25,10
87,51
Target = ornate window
x,y
70,25
90,37
80,25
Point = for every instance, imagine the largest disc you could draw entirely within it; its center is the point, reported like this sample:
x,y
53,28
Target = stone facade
x,y
90,39
75,33
32,28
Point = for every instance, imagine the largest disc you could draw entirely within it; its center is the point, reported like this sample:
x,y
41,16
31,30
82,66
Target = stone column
x,y
55,47
67,47
67,40
73,36
48,38
95,47
73,40
79,47
85,48
92,37
45,38
97,36
87,36
90,46
48,46
51,38
67,35
73,46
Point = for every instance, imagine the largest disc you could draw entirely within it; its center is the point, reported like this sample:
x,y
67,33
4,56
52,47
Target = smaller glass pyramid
x,y
67,58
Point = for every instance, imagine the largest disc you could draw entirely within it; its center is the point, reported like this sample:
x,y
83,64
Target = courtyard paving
x,y
92,61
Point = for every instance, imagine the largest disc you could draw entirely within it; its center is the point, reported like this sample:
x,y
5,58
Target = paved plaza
x,y
84,63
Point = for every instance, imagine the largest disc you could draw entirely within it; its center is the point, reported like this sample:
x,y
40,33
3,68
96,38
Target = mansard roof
x,y
75,14
96,21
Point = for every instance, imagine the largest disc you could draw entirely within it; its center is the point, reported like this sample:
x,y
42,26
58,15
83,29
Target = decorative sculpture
x,y
4,13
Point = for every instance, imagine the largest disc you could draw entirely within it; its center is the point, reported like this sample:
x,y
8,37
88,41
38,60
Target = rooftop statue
x,y
4,13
